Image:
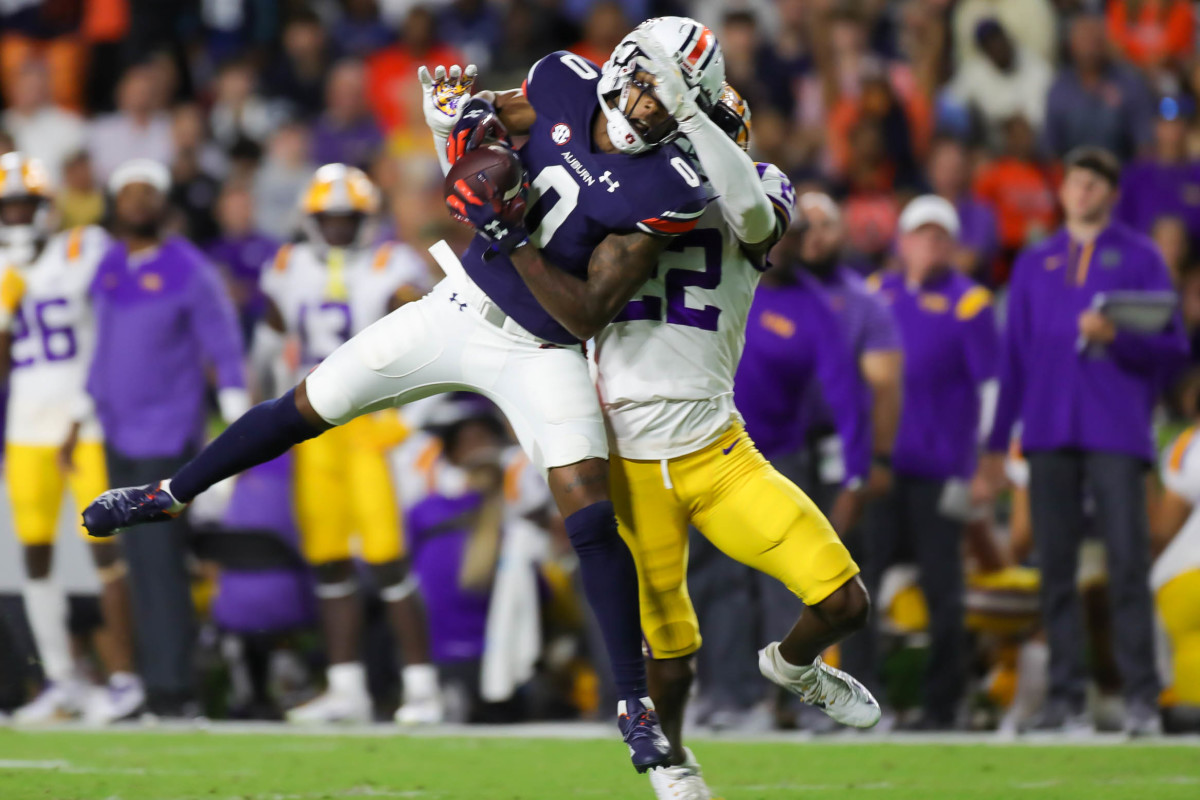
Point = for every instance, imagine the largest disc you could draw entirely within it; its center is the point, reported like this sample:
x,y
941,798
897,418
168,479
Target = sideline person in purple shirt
x,y
951,345
241,252
1167,183
1084,392
162,320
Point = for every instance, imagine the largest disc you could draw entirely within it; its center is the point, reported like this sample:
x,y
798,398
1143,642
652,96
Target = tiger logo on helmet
x,y
697,52
732,115
26,207
340,207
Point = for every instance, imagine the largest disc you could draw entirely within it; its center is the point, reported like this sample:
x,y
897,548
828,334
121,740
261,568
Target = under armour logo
x,y
495,229
475,112
612,185
454,299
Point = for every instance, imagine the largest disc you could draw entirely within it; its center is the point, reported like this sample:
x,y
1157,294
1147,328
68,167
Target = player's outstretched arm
x,y
619,266
445,94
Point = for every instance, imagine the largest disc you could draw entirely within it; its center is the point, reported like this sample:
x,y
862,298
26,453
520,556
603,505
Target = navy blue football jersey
x,y
579,195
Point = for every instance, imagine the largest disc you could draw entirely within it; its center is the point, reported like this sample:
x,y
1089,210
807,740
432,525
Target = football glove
x,y
444,95
484,208
672,90
479,124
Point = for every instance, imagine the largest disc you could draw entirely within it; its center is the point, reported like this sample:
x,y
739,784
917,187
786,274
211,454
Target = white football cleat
x,y
345,707
56,702
120,699
422,703
423,711
837,694
684,782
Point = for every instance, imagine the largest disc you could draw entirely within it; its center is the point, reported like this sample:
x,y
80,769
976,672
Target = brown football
x,y
495,163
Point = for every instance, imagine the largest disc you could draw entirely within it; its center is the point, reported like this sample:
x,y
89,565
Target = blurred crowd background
x,y
873,102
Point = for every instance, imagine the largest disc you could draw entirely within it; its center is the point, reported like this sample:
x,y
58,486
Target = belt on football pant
x,y
475,297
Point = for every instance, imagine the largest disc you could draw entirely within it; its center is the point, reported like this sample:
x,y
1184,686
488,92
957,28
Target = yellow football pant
x,y
36,484
1179,606
744,507
343,488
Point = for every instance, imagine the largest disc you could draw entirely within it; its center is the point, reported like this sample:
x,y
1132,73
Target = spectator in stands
x,y
603,28
1004,81
394,97
297,75
1153,34
948,333
238,112
1095,100
1171,239
50,33
949,176
1021,190
1084,392
41,129
138,129
1032,24
752,67
80,202
284,173
193,185
346,133
241,251
1167,181
360,31
162,320
474,28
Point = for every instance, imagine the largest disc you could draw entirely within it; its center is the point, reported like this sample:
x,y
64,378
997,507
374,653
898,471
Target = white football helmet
x,y
699,57
339,190
23,178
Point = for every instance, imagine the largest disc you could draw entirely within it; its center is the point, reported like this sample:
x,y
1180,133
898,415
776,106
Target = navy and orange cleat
x,y
648,746
124,508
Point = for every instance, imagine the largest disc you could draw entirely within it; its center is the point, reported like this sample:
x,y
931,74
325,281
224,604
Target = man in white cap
x,y
950,344
163,320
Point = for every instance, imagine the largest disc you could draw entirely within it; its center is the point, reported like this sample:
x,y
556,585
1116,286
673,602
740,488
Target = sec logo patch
x,y
560,134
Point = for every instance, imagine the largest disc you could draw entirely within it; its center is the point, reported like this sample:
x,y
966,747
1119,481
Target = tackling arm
x,y
618,268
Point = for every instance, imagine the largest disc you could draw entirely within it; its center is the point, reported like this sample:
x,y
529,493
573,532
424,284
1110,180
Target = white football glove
x,y
443,96
669,85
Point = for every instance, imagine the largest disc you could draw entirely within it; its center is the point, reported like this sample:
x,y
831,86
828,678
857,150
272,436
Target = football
x,y
496,163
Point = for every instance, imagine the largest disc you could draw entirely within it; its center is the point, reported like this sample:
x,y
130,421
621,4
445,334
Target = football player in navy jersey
x,y
607,189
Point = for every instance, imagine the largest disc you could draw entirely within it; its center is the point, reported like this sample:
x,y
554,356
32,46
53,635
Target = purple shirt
x,y
437,531
979,231
264,600
867,327
1098,400
951,346
581,195
354,144
244,258
161,322
793,339
1151,190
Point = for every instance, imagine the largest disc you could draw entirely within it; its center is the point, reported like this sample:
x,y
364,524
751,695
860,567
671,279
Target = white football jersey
x,y
1180,469
664,367
326,300
54,335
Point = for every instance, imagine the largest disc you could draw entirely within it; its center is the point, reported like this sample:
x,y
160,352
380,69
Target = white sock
x,y
792,672
420,681
348,678
46,609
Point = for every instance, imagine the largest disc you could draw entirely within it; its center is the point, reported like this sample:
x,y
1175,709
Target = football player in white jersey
x,y
53,441
320,292
665,371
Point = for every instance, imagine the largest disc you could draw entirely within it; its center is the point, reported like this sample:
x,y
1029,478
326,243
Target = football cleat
x,y
136,505
648,747
345,707
123,697
56,702
837,694
421,711
683,782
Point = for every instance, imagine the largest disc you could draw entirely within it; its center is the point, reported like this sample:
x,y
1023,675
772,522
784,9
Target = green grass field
x,y
168,765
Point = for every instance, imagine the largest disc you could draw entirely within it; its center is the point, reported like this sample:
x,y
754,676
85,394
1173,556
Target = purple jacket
x,y
951,346
161,322
794,340
1150,190
1063,398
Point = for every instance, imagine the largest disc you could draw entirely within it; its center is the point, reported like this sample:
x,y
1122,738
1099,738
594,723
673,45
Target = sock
x,y
792,672
264,432
610,582
420,681
46,609
348,678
